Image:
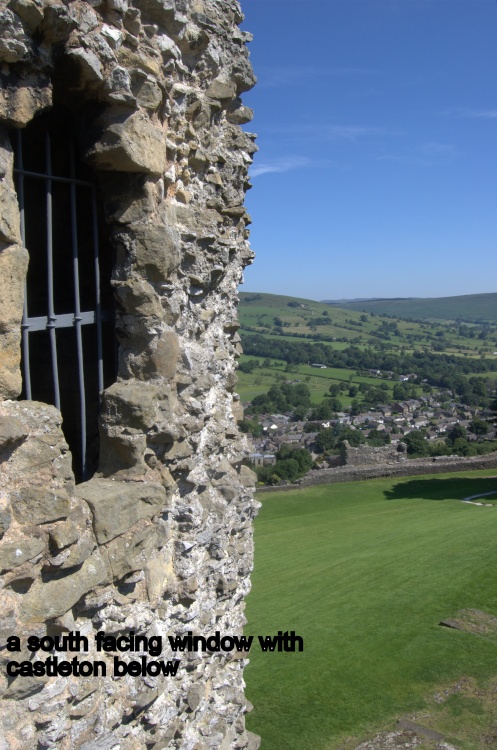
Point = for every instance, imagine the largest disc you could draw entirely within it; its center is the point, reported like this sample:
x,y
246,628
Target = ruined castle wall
x,y
367,455
159,541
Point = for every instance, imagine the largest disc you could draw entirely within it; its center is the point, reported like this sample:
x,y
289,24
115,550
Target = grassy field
x,y
365,572
318,381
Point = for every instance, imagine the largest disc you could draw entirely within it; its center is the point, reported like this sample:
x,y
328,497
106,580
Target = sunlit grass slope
x,y
365,572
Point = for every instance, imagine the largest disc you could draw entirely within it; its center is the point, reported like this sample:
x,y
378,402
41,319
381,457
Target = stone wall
x,y
367,455
411,467
159,541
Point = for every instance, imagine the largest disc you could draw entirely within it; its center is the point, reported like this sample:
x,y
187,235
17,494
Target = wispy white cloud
x,y
403,159
329,131
481,114
426,154
434,148
294,74
284,164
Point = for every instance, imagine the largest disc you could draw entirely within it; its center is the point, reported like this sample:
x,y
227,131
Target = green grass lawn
x,y
365,572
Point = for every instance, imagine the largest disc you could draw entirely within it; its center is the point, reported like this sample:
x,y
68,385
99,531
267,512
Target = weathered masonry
x,y
124,503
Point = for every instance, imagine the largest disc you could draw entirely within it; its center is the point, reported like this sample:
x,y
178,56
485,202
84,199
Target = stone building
x,y
124,504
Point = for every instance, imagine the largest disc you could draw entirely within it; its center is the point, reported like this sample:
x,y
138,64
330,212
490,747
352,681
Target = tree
x,y
416,443
378,438
325,441
479,427
458,431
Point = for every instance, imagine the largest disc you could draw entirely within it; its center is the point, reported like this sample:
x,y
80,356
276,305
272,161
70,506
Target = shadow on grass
x,y
442,489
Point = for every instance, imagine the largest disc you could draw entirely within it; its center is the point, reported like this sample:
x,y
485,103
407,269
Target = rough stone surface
x,y
159,541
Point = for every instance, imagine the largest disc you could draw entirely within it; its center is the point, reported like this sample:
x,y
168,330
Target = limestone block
x,y
64,534
13,267
77,553
13,554
131,404
247,477
167,47
221,90
58,22
129,143
9,215
159,577
121,452
116,506
22,99
5,514
130,59
165,354
15,45
150,358
118,87
238,114
89,66
128,198
29,12
54,598
137,297
12,432
146,89
130,551
155,250
243,75
35,505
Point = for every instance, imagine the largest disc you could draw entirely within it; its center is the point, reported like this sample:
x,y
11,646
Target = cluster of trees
x,y
456,442
290,465
294,397
249,366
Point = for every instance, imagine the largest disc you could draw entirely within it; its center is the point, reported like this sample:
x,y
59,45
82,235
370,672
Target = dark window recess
x,y
68,341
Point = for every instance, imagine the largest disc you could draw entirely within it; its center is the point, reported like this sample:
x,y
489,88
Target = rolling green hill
x,y
468,307
277,315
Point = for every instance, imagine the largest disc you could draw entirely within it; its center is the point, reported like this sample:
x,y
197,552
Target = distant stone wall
x,y
411,467
159,541
366,455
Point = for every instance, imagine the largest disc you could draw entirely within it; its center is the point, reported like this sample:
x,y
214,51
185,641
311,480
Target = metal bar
x,y
77,312
24,327
98,301
41,176
51,312
67,320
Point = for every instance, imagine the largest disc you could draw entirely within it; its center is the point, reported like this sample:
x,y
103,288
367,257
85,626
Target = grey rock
x,y
12,432
116,506
48,600
15,45
129,144
13,554
130,551
29,12
88,63
35,505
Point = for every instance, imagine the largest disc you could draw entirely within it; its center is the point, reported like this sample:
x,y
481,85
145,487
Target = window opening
x,y
68,342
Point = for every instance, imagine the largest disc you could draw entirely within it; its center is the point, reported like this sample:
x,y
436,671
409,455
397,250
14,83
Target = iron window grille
x,y
63,294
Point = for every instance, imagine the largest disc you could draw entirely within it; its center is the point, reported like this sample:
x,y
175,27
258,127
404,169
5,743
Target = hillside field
x,y
467,307
365,572
276,316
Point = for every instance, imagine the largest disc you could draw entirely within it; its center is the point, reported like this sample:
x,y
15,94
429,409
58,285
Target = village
x,y
435,420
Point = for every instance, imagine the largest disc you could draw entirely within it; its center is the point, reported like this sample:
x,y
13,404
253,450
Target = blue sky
x,y
377,131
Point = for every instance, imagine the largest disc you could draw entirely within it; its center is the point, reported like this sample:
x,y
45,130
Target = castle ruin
x,y
124,503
